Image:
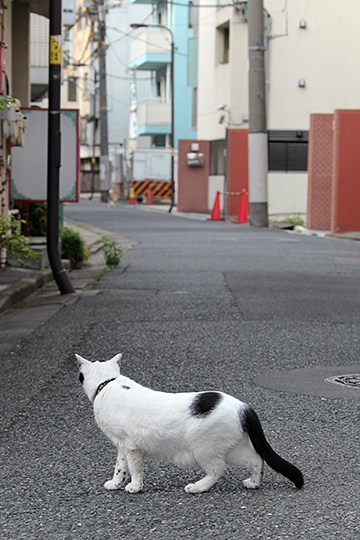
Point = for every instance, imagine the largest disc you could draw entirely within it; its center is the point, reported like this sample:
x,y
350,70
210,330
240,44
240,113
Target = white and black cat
x,y
195,429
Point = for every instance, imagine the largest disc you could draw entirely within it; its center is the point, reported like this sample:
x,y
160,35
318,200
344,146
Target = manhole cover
x,y
352,380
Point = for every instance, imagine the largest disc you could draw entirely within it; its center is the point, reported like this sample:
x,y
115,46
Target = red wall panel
x,y
237,168
346,172
320,172
193,181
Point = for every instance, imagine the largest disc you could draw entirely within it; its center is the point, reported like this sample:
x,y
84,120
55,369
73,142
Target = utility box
x,y
195,159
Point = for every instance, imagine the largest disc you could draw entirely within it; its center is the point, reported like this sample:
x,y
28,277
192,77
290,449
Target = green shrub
x,y
73,247
15,244
37,218
288,221
112,252
6,102
294,221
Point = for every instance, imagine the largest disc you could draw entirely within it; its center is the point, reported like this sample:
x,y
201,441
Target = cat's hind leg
x,y
214,469
255,479
135,463
244,455
121,473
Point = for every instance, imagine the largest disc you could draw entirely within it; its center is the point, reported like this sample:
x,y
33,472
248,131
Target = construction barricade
x,y
153,191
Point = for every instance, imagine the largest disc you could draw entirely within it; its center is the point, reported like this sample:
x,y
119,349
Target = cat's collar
x,y
101,386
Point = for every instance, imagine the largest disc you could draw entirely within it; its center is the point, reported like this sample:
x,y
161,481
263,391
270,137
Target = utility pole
x,y
54,150
104,149
93,134
258,140
172,141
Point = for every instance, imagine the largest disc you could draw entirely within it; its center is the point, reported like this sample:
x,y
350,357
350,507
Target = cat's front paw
x,y
134,487
192,488
110,484
250,484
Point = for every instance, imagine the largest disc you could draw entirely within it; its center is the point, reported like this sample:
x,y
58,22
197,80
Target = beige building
x,y
24,45
15,80
77,85
309,69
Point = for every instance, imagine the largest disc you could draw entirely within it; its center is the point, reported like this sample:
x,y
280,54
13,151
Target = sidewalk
x,y
17,284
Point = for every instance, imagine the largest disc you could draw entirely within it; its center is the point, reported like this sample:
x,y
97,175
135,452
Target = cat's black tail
x,y
252,426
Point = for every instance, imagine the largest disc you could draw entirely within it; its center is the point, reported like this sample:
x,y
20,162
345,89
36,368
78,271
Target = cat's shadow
x,y
164,478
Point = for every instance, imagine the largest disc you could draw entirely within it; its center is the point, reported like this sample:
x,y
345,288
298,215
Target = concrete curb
x,y
22,289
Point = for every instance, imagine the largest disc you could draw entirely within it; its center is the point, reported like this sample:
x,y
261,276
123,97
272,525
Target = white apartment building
x,y
310,68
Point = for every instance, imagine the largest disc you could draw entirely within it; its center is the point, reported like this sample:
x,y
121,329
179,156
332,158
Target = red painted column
x,y
346,172
237,168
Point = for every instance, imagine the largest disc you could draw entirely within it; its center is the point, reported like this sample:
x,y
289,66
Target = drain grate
x,y
352,380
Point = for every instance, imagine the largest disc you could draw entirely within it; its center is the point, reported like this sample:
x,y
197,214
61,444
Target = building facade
x,y
169,26
308,70
14,82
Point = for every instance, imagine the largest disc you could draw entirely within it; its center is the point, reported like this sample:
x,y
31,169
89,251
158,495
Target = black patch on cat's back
x,y
81,377
204,403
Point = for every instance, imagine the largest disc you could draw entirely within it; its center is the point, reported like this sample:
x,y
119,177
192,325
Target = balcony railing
x,y
150,49
154,116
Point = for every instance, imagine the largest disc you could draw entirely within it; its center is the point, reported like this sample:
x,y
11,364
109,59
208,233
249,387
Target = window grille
x,y
288,151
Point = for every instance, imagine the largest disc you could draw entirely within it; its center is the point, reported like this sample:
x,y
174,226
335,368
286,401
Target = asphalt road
x,y
194,305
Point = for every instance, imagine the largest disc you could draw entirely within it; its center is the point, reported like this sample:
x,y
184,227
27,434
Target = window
x,y
194,109
86,88
192,61
288,151
193,17
72,87
218,157
158,140
83,130
158,88
223,43
161,14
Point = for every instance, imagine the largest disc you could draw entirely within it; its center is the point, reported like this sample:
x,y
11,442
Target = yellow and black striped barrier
x,y
160,189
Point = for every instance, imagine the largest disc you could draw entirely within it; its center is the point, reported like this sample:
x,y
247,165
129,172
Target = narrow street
x,y
264,315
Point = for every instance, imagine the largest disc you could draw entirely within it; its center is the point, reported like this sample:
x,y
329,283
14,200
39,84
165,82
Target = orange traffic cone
x,y
131,196
215,213
149,199
243,208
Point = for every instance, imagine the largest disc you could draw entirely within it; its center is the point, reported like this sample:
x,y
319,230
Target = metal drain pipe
x,y
54,150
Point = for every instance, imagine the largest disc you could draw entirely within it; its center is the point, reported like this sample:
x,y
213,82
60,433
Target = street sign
x,y
29,162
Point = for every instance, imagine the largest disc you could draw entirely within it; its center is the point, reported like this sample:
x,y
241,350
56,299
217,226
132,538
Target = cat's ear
x,y
116,359
80,360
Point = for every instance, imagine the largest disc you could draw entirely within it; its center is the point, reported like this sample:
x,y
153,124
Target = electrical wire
x,y
190,4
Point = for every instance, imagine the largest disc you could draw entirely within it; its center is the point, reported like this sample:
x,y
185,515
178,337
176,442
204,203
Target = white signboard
x,y
68,12
29,162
